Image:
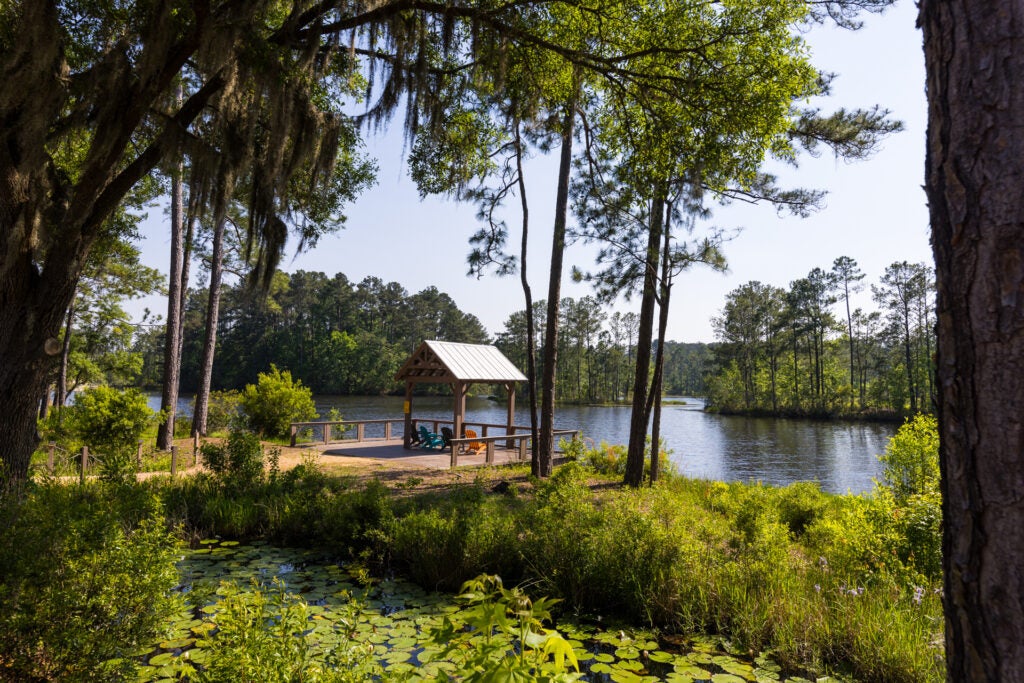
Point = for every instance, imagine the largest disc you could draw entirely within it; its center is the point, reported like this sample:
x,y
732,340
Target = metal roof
x,y
440,361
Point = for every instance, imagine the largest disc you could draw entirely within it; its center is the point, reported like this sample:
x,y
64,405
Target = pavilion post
x,y
407,410
510,387
459,389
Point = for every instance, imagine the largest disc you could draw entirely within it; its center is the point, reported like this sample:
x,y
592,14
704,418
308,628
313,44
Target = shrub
x,y
275,401
110,422
238,460
264,634
912,459
85,577
223,410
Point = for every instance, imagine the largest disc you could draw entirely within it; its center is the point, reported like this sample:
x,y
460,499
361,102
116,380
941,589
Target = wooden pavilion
x,y
460,366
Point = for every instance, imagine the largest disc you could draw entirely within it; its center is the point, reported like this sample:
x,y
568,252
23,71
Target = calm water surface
x,y
841,456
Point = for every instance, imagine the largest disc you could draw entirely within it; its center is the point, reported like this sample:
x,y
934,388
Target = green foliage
x,y
85,577
828,583
237,461
911,459
109,420
786,352
508,641
911,480
275,401
264,634
223,410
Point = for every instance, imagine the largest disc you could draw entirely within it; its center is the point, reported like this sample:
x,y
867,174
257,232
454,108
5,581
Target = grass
x,y
828,584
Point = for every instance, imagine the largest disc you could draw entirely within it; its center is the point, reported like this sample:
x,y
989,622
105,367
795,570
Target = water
x,y
841,456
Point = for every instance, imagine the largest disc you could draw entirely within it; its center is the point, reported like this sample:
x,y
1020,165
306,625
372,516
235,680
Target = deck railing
x,y
330,428
489,441
516,437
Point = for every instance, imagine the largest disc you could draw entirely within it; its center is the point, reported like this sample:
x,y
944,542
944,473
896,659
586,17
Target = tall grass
x,y
827,583
820,580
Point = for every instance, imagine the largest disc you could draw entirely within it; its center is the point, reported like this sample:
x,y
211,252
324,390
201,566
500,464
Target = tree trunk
x,y
60,395
210,339
33,305
640,417
659,360
974,54
531,334
544,462
172,340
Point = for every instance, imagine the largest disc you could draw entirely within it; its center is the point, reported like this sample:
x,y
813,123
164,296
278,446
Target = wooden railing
x,y
489,441
328,429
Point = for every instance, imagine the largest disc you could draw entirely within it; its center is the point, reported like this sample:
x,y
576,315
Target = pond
x,y
395,619
841,456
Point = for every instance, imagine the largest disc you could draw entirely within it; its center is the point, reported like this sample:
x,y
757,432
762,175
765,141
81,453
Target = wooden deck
x,y
391,450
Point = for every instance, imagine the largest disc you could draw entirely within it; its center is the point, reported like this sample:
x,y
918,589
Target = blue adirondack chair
x,y
429,440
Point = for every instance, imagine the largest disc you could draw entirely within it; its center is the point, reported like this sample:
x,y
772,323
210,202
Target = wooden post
x,y
522,447
387,430
138,456
295,431
360,431
85,464
510,417
174,460
459,389
50,450
327,433
455,455
407,410
490,453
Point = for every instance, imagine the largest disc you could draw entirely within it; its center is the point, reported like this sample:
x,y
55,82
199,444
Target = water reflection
x,y
841,456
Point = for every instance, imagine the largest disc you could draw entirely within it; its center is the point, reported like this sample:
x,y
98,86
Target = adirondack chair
x,y
447,436
474,446
429,440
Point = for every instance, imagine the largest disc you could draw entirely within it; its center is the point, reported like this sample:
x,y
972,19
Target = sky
x,y
875,210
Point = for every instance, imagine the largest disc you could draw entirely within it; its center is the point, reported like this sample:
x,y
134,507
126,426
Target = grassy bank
x,y
825,583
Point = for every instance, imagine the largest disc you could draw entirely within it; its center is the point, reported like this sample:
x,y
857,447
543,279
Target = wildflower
x,y
823,563
918,595
817,588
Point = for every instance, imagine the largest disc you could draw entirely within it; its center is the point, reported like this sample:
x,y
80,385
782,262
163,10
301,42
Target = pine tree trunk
x,y
172,340
659,360
640,416
974,54
531,333
546,446
210,338
60,395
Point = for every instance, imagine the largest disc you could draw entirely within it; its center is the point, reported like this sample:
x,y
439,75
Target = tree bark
x,y
172,340
542,467
974,54
531,333
665,289
640,417
210,339
60,395
32,309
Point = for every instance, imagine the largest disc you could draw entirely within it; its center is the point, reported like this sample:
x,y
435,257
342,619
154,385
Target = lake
x,y
841,456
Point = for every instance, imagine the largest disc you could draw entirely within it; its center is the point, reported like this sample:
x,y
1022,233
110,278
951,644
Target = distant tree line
x,y
804,351
597,353
336,336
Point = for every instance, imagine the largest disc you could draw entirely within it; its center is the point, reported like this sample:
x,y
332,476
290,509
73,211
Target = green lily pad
x,y
727,678
177,644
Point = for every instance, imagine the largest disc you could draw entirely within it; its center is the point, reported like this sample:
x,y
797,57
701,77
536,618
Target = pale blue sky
x,y
875,210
